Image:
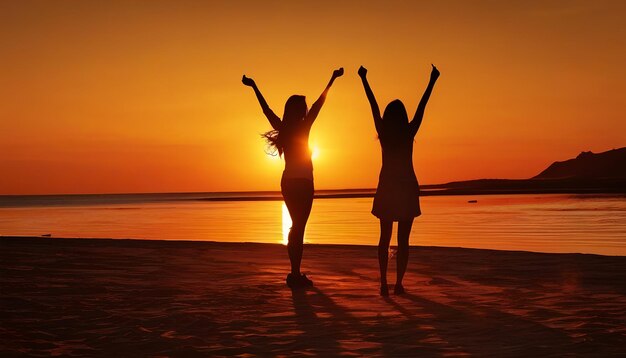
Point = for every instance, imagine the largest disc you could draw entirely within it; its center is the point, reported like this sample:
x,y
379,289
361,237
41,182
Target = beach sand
x,y
166,298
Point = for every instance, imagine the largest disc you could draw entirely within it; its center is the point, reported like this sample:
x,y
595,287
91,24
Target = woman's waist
x,y
298,170
398,167
398,174
298,164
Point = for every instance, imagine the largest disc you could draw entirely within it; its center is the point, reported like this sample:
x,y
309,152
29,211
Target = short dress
x,y
397,194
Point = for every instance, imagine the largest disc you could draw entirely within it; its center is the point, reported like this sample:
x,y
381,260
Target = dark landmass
x,y
528,186
610,164
588,173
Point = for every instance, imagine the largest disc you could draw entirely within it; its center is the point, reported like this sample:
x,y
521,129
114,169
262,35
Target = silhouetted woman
x,y
397,194
290,137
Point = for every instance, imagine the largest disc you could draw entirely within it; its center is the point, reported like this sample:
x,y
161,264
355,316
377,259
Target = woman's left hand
x,y
434,74
338,73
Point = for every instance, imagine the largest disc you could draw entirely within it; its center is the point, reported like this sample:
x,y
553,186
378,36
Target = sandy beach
x,y
162,298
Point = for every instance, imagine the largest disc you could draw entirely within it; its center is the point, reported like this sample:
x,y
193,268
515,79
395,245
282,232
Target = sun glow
x,y
273,157
315,152
286,224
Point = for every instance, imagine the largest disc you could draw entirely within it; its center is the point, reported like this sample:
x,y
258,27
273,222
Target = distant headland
x,y
587,173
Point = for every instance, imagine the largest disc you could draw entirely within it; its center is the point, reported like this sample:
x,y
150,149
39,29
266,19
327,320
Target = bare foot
x,y
398,289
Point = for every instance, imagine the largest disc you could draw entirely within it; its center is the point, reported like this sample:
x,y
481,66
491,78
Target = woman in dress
x,y
397,194
290,136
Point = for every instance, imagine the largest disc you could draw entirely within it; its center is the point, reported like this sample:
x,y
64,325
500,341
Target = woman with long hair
x,y
290,136
397,194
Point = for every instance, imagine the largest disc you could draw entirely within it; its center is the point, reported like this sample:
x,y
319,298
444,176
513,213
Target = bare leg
x,y
298,197
383,253
404,230
295,246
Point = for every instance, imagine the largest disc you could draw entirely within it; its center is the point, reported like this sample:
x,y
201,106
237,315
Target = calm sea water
x,y
543,223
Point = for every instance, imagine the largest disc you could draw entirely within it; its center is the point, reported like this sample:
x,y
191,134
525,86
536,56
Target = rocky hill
x,y
610,164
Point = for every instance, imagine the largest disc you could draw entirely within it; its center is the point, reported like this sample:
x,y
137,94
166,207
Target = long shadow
x,y
592,272
411,326
391,335
474,331
329,330
489,332
349,328
464,326
313,339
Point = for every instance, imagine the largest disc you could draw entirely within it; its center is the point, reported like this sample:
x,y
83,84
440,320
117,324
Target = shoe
x,y
306,281
292,281
398,289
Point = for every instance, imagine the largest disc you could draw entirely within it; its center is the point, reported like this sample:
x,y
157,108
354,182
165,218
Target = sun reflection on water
x,y
286,224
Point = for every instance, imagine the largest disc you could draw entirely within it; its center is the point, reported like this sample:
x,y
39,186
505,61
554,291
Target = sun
x,y
315,152
274,157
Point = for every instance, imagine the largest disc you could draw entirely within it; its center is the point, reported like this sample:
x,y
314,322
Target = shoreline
x,y
12,201
135,242
438,192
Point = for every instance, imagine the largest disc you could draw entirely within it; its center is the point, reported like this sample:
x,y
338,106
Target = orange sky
x,y
145,96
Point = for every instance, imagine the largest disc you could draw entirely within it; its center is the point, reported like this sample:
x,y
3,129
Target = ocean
x,y
594,224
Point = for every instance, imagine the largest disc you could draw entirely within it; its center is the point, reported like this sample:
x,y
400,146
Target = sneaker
x,y
306,281
292,281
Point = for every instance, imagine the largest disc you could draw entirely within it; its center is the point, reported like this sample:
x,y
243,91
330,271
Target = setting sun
x,y
315,153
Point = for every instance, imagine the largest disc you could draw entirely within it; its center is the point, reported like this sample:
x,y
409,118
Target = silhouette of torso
x,y
298,163
397,159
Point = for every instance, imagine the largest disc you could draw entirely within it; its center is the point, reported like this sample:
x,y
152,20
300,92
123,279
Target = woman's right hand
x,y
362,72
247,81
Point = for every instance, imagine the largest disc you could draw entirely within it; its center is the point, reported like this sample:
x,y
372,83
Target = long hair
x,y
395,123
295,111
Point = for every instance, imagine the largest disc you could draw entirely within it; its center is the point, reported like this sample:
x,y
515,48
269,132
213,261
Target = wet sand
x,y
171,298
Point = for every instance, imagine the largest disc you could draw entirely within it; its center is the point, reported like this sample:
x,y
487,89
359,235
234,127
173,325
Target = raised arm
x,y
371,98
421,107
317,106
271,116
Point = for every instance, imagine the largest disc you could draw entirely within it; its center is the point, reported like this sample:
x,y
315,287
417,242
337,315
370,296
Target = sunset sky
x,y
146,96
